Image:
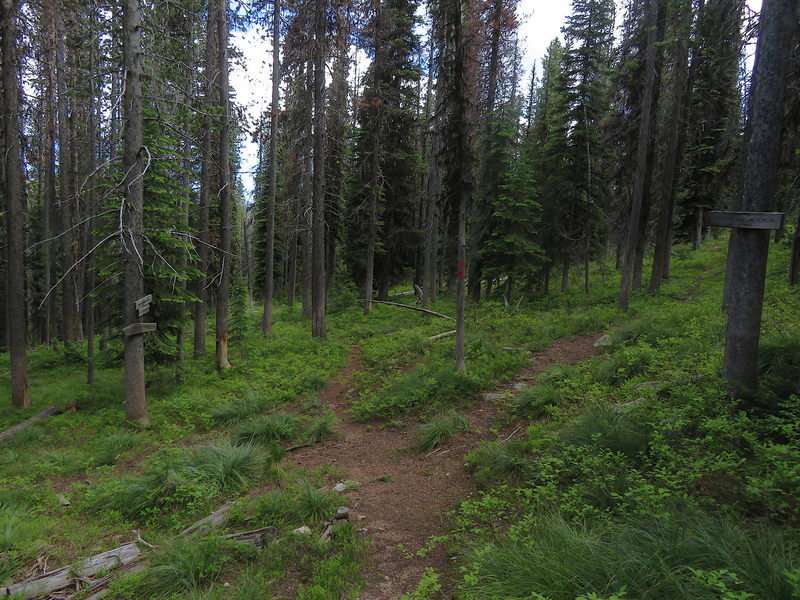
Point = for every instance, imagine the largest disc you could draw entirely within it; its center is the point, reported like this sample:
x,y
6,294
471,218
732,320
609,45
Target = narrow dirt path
x,y
403,496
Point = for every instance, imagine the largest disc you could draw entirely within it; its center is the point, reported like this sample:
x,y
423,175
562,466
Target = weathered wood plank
x,y
745,220
138,328
62,578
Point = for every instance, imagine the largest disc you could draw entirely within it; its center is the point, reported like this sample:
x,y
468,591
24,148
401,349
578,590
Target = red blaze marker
x,y
461,270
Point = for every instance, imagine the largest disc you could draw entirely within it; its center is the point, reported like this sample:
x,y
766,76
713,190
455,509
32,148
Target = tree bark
x,y
15,208
318,299
676,136
225,192
203,218
92,132
64,160
794,270
749,248
133,226
269,259
642,152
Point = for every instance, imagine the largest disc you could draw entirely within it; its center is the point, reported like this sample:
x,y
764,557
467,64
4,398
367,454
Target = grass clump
x,y
536,401
320,428
498,461
440,429
683,554
276,427
173,481
106,450
186,565
313,504
602,427
241,409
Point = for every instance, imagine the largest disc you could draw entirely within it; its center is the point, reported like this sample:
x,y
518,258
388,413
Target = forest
x,y
479,331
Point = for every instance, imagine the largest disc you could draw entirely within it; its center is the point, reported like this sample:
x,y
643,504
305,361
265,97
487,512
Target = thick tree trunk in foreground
x,y
318,299
15,208
225,192
266,322
132,233
749,247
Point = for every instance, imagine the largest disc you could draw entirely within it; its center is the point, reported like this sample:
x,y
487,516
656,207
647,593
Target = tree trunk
x,y
203,217
318,299
291,267
15,207
565,275
697,237
269,259
643,149
92,132
794,270
180,338
749,247
225,192
676,136
432,188
132,233
64,160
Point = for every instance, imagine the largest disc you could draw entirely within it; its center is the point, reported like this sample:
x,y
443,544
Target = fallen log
x,y
441,335
51,410
424,310
218,517
258,537
62,578
127,558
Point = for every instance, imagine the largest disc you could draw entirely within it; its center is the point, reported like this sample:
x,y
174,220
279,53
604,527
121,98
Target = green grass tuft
x,y
320,428
664,557
272,428
242,408
440,429
536,400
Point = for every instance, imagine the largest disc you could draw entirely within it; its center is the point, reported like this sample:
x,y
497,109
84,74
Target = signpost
x,y
142,307
745,220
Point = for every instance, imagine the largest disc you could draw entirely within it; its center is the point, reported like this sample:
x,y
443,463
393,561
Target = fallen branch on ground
x,y
424,310
51,410
441,335
127,558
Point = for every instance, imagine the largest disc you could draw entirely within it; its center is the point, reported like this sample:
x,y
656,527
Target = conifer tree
x,y
588,34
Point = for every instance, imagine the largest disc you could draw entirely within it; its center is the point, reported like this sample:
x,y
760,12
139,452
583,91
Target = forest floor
x,y
402,496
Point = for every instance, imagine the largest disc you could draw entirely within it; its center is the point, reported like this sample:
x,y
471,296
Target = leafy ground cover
x,y
636,472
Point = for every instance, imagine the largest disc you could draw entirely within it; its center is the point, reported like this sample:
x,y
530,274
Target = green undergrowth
x,y
639,477
641,437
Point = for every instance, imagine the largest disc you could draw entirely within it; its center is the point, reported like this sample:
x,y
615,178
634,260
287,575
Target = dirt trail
x,y
404,496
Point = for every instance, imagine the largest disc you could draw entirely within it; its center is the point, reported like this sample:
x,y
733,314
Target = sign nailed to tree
x,y
745,220
143,304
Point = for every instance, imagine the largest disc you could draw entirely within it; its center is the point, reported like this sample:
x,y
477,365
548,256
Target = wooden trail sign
x,y
138,329
745,220
143,305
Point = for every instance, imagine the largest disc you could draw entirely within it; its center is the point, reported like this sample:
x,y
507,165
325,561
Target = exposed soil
x,y
404,496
